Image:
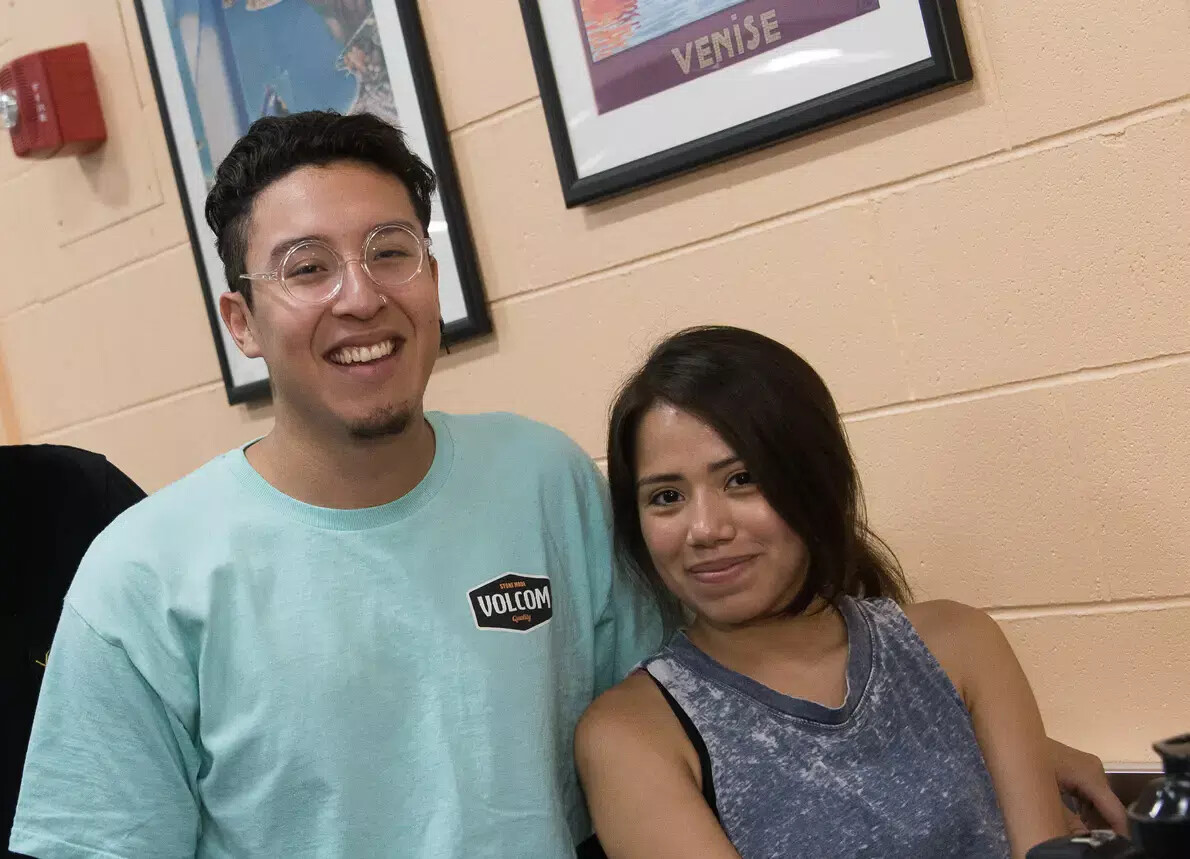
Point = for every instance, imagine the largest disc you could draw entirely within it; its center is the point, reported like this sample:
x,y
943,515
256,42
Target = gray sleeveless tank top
x,y
895,772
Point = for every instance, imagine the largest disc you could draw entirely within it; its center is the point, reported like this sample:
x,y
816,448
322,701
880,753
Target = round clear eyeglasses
x,y
312,271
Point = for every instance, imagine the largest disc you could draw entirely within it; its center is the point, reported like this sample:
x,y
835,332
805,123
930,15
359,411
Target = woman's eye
x,y
740,478
666,497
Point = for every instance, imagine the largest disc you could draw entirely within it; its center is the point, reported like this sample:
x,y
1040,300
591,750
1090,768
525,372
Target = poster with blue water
x,y
244,59
219,65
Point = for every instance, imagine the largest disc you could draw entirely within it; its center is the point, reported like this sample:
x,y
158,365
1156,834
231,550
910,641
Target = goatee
x,y
382,423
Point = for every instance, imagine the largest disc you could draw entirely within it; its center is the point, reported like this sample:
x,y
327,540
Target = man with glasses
x,y
369,633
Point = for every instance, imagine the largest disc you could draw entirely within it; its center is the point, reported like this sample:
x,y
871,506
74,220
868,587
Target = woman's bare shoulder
x,y
631,718
948,622
634,705
958,635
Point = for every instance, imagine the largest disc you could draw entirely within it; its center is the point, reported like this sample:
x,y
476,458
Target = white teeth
x,y
363,354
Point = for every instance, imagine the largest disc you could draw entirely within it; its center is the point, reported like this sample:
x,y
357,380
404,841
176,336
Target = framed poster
x,y
218,65
636,91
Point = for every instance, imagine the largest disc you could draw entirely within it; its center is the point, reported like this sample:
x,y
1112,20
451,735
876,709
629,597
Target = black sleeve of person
x,y
54,500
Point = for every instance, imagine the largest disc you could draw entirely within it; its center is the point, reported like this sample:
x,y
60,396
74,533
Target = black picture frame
x,y
475,322
947,65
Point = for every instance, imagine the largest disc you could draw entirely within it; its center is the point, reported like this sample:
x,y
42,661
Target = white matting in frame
x,y
629,112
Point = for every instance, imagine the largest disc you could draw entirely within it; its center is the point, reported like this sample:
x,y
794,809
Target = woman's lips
x,y
720,570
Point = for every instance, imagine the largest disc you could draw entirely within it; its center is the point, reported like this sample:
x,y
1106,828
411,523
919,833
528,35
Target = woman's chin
x,y
736,610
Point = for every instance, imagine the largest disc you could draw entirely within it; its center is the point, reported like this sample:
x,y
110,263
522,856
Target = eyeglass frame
x,y
275,275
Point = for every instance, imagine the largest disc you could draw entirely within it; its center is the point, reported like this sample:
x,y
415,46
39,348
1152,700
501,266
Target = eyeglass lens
x,y
312,270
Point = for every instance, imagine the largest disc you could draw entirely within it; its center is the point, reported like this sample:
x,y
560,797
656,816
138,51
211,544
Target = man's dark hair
x,y
275,146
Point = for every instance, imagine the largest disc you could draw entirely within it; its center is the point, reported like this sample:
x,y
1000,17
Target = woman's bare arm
x,y
979,660
640,775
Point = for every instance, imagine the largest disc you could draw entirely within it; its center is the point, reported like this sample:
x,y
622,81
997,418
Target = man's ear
x,y
434,274
237,316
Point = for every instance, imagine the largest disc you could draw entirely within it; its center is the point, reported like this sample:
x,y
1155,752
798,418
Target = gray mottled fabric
x,y
895,772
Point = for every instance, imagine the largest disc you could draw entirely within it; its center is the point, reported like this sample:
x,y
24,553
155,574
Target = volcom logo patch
x,y
512,601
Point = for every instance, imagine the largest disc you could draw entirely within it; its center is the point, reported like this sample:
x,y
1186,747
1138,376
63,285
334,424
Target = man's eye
x,y
306,269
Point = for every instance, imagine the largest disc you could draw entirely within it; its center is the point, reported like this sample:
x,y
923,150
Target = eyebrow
x,y
282,247
673,476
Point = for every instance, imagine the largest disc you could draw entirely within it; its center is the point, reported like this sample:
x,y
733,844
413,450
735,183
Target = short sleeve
x,y
628,627
110,772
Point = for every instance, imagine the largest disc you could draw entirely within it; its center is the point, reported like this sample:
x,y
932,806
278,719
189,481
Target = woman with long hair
x,y
803,705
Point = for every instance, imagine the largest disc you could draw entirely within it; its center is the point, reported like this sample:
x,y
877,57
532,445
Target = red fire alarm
x,y
50,105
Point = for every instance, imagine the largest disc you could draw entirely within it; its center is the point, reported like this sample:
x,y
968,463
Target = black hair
x,y
277,145
777,415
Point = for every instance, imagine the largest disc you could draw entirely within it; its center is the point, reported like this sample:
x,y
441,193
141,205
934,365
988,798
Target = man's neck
x,y
344,473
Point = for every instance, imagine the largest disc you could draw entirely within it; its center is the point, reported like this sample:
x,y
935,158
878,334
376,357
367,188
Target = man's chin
x,y
383,423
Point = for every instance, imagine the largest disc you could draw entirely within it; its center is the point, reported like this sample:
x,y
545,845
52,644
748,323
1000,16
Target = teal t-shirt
x,y
239,674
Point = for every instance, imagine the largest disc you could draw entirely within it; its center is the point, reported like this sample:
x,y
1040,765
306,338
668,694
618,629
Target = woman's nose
x,y
710,522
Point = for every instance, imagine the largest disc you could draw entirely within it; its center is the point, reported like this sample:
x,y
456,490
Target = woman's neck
x,y
802,656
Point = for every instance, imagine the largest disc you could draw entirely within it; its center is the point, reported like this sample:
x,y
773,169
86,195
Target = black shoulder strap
x,y
704,757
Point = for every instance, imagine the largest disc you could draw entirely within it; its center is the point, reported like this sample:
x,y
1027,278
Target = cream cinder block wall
x,y
993,280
